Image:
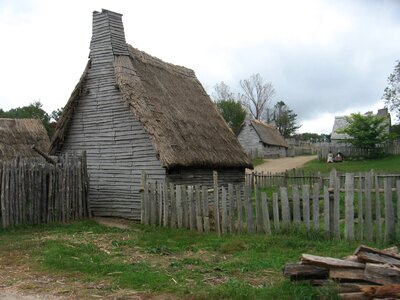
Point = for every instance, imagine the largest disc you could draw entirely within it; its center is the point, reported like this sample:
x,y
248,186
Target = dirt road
x,y
283,164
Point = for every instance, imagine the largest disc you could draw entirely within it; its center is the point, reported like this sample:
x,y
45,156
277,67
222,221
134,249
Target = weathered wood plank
x,y
198,209
306,206
302,272
349,207
378,220
296,207
389,211
316,189
275,208
224,218
368,207
265,214
322,261
372,255
285,209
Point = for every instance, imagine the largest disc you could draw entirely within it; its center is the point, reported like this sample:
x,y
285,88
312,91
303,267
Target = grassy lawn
x,y
257,161
388,164
161,261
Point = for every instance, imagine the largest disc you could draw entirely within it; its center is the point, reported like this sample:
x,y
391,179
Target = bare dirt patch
x,y
282,164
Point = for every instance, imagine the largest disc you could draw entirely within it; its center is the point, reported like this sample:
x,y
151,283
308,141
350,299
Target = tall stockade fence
x,y
364,206
35,190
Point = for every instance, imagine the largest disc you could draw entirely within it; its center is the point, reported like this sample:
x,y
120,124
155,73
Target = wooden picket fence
x,y
367,208
34,191
299,178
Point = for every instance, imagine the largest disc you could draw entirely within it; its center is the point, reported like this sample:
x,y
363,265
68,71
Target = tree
x,y
222,92
231,109
256,95
366,131
56,114
285,119
233,113
313,137
392,91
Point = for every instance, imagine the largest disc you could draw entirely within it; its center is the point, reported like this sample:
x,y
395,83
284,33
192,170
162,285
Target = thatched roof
x,y
268,134
18,135
183,123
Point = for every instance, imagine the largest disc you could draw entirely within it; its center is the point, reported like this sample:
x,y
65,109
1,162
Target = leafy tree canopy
x,y
392,91
229,107
366,131
285,119
313,137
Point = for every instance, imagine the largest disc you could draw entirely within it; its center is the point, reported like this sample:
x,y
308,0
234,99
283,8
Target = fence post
x,y
206,212
316,206
216,203
360,208
378,210
224,211
173,205
231,208
275,207
398,205
142,204
389,213
285,208
239,209
349,207
199,208
306,206
296,207
368,206
267,224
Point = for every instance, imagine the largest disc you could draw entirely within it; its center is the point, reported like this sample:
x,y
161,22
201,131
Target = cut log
x,y
321,261
368,254
346,274
382,274
353,296
392,250
301,272
380,292
352,287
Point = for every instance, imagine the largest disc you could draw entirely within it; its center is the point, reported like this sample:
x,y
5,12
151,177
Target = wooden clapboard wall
x,y
118,148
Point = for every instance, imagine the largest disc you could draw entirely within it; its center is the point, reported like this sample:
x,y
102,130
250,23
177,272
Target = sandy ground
x,y
282,164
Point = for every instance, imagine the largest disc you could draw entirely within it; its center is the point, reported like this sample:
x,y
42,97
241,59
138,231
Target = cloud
x,y
323,57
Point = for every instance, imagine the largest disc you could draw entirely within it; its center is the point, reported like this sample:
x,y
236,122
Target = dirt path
x,y
283,164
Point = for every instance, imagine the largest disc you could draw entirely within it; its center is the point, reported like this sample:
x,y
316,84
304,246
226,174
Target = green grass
x,y
178,262
388,164
257,161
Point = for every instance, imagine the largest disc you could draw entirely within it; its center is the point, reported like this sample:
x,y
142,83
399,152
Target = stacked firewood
x,y
368,274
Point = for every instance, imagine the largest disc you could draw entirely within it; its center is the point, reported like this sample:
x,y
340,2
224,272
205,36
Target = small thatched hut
x,y
18,135
261,139
132,112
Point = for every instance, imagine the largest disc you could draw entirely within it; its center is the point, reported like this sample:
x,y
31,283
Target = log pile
x,y
368,274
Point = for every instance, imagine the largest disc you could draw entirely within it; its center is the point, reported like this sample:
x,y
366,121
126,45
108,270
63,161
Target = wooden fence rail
x,y
34,191
242,208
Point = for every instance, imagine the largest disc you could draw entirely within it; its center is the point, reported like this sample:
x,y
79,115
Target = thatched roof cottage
x,y
131,112
260,139
18,135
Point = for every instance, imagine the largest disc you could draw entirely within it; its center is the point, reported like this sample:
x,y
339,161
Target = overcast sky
x,y
324,58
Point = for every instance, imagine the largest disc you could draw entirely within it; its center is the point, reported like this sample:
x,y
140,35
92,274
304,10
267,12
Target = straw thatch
x,y
184,125
268,134
18,135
